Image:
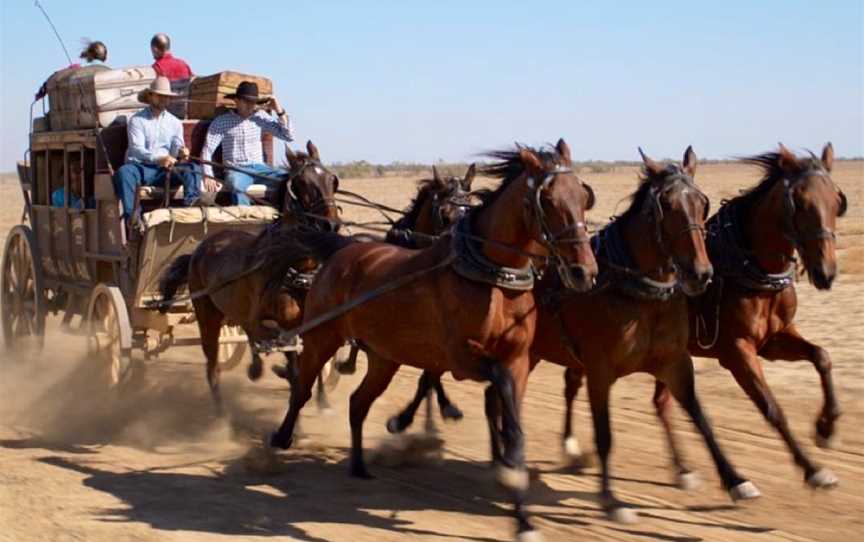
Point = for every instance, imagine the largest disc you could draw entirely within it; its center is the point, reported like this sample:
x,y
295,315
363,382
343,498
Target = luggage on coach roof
x,y
207,94
95,96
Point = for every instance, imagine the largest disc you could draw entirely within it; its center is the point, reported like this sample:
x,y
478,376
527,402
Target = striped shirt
x,y
241,138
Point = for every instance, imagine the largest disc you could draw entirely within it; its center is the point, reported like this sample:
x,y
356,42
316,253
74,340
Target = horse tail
x,y
176,276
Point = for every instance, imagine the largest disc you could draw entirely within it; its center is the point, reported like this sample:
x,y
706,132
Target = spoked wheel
x,y
23,311
110,335
231,354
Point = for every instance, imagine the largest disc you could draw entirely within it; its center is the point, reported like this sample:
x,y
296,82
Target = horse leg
x,y
378,376
493,419
448,410
599,386
573,454
509,385
789,345
686,478
678,376
209,320
321,395
349,366
404,419
747,370
430,414
316,352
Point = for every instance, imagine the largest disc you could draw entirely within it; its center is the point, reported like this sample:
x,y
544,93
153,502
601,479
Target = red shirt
x,y
172,68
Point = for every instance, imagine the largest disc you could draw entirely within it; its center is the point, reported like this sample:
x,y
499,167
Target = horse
x,y
239,278
753,241
439,204
635,320
465,303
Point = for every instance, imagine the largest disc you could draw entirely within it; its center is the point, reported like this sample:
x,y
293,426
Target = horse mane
x,y
772,173
509,166
646,180
412,212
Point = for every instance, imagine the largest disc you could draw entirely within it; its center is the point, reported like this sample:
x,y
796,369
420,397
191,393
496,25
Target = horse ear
x,y
530,160
289,155
690,161
564,150
654,169
469,176
436,176
313,151
787,161
828,156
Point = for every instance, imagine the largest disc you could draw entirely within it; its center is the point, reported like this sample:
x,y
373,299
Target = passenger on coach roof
x,y
93,51
239,132
156,149
167,65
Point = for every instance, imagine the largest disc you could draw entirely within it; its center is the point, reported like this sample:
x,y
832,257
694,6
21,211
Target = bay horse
x,y
753,241
635,320
439,204
239,278
465,303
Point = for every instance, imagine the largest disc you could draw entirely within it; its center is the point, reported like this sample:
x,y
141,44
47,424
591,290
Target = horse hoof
x,y
574,457
515,479
623,515
572,450
393,426
529,536
255,370
361,473
744,492
688,481
279,370
276,441
346,367
827,443
453,414
823,479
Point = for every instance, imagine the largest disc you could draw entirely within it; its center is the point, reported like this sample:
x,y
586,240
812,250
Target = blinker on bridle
x,y
790,230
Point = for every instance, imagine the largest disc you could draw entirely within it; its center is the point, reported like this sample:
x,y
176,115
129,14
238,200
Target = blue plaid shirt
x,y
241,138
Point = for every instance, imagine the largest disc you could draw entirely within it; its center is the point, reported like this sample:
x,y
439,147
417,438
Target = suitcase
x,y
207,94
95,96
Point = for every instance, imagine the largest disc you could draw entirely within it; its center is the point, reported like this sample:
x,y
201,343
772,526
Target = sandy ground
x,y
155,463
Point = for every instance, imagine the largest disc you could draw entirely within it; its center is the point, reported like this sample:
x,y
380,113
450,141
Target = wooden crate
x,y
206,94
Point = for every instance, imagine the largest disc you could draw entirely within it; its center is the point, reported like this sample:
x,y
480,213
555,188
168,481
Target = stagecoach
x,y
76,258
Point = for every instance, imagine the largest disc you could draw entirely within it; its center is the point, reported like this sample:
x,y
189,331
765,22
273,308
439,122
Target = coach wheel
x,y
109,334
231,353
23,311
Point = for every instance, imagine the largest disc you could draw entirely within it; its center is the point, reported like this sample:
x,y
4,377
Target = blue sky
x,y
399,80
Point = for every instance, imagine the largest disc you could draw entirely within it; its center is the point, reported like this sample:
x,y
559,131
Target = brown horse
x,y
749,312
635,321
479,327
237,278
439,204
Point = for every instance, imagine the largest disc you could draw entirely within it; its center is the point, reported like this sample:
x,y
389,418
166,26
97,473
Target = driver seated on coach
x,y
239,133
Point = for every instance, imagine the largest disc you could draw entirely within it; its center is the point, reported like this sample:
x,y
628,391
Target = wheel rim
x,y
105,337
230,354
22,316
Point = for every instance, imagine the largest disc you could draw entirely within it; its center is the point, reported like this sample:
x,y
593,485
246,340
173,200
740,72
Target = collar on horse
x,y
734,262
617,269
471,264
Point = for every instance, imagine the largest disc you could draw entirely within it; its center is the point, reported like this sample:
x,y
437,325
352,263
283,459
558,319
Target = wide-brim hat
x,y
161,86
248,90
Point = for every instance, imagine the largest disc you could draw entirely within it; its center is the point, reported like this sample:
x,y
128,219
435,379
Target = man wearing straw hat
x,y
239,133
156,149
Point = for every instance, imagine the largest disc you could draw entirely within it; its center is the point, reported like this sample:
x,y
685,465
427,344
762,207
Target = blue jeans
x,y
130,176
239,182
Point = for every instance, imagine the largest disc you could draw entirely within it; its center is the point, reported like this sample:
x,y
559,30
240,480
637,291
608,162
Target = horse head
x,y
311,187
678,210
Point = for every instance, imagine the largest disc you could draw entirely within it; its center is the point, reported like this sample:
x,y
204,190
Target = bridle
x,y
293,204
790,230
534,207
657,216
457,197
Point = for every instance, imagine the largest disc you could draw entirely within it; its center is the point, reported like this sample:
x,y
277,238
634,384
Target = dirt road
x,y
155,463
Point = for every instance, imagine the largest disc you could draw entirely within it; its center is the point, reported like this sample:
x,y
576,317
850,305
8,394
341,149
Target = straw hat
x,y
161,85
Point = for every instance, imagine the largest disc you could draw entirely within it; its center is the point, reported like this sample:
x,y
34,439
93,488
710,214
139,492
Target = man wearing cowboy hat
x,y
239,133
155,147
